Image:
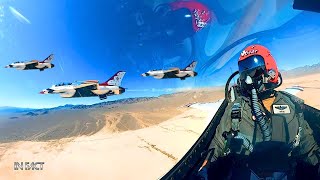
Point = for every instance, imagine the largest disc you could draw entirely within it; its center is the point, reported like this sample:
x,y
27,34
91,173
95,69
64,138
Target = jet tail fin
x,y
191,66
115,80
48,59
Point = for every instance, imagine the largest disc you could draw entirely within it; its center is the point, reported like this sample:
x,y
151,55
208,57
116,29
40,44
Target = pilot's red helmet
x,y
258,57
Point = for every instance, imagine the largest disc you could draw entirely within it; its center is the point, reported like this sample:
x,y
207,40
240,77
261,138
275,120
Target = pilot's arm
x,y
308,149
218,143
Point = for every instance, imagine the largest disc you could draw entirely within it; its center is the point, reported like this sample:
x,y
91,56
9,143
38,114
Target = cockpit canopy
x,y
63,84
18,62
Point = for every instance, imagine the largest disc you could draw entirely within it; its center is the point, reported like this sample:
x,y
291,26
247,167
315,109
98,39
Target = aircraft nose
x,y
145,74
195,73
52,65
9,66
45,91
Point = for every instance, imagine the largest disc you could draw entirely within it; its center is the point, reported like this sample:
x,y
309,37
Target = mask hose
x,y
246,142
260,117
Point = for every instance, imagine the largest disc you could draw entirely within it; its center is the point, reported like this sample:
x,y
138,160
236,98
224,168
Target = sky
x,y
95,39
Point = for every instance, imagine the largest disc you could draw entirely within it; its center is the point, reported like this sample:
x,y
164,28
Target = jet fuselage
x,y
72,91
161,74
24,66
174,72
34,64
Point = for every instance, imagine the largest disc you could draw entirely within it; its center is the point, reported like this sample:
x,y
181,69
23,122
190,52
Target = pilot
x,y
266,124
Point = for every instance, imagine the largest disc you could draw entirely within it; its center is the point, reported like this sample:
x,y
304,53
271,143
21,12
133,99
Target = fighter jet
x,y
89,88
174,72
34,64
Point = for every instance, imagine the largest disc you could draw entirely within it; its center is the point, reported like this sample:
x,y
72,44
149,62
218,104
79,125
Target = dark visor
x,y
251,63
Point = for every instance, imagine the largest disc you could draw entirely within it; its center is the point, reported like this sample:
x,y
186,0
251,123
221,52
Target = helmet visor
x,y
251,63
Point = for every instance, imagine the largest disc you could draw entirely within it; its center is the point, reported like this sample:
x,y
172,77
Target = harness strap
x,y
236,117
295,143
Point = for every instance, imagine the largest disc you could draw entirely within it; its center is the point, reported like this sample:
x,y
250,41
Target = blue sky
x,y
90,41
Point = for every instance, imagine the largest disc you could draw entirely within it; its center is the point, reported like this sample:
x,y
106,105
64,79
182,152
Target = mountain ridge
x,y
32,111
300,71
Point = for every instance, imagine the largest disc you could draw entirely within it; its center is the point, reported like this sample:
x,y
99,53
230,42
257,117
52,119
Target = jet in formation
x,y
33,64
89,88
174,72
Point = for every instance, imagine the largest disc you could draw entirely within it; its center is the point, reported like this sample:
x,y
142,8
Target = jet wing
x,y
87,85
90,82
31,64
172,70
81,90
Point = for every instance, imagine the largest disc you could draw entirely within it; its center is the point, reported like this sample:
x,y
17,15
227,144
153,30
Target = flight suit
x,y
285,119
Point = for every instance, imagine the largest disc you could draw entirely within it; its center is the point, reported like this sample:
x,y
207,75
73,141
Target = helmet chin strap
x,y
268,76
265,79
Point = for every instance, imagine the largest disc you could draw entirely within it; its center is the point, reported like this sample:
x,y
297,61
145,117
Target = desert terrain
x,y
311,88
135,139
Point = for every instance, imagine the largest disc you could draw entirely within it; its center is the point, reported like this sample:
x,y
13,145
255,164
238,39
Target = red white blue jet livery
x,y
174,72
89,88
34,64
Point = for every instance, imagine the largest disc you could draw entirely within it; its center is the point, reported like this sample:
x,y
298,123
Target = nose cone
x,y
46,91
8,66
145,74
195,73
52,65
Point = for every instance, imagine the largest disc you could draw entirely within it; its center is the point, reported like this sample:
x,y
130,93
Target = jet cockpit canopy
x,y
63,84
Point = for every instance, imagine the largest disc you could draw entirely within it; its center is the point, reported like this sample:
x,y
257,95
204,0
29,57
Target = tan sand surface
x,y
311,85
142,154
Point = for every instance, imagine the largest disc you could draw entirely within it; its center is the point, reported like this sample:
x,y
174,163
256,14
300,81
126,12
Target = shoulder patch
x,y
281,109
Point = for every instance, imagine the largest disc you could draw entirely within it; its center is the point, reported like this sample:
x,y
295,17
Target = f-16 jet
x,y
174,72
33,64
89,88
